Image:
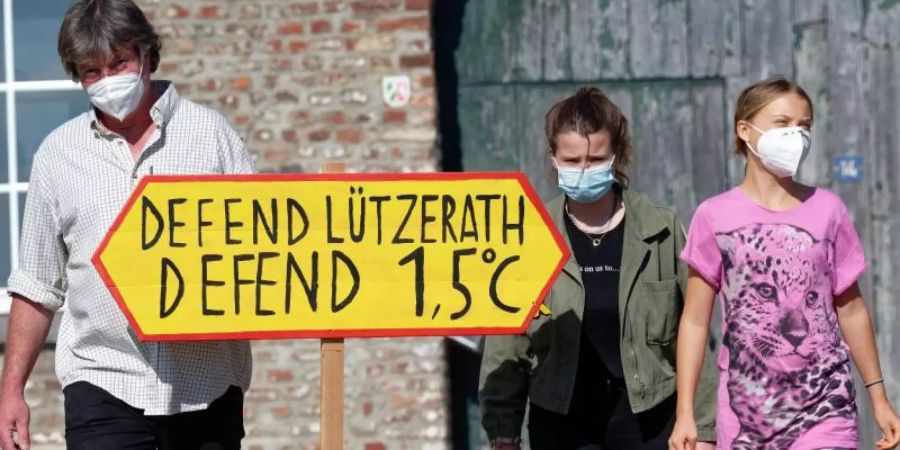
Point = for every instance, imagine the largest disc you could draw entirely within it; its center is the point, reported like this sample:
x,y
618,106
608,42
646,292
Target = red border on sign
x,y
347,177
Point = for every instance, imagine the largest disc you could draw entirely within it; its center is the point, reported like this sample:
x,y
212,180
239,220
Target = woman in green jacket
x,y
597,367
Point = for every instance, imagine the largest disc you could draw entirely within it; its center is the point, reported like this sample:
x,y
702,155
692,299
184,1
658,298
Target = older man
x,y
119,393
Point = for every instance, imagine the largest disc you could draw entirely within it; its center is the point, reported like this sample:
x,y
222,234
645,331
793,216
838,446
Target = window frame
x,y
14,186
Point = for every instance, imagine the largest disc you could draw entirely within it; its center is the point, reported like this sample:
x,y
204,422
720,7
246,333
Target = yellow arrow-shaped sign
x,y
332,255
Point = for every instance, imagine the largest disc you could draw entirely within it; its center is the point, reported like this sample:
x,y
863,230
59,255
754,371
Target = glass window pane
x,y
35,29
5,254
4,152
2,59
39,113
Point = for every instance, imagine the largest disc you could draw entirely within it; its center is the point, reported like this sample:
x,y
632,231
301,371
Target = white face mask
x,y
782,150
118,95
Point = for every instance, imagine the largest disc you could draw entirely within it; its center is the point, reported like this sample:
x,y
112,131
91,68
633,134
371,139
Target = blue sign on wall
x,y
848,168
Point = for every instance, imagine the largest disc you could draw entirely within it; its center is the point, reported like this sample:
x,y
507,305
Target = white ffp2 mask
x,y
118,95
782,150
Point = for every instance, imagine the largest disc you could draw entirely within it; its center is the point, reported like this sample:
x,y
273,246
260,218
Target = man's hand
x,y
14,417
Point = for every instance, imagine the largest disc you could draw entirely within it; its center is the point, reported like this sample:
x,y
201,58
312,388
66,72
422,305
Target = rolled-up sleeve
x,y
41,272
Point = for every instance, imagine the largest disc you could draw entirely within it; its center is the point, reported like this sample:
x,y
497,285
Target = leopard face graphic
x,y
787,365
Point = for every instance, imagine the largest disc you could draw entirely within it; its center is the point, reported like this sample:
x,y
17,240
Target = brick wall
x,y
302,82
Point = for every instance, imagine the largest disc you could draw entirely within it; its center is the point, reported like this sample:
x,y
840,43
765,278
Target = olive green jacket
x,y
540,365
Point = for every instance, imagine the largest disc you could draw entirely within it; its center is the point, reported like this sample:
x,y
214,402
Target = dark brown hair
x,y
755,97
93,29
590,111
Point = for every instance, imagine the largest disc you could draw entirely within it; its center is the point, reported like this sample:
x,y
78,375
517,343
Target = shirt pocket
x,y
660,311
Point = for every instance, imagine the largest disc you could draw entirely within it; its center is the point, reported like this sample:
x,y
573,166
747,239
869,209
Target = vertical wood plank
x,y
663,135
882,96
598,37
526,40
714,38
532,106
484,22
846,136
556,46
658,44
768,37
881,27
811,61
488,127
709,146
808,11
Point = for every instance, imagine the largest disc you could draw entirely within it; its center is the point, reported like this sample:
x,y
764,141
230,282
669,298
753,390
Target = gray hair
x,y
95,29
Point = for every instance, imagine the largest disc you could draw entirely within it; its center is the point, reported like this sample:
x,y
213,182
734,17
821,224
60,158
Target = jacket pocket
x,y
661,316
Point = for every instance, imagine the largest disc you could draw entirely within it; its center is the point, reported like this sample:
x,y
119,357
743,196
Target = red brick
x,y
209,12
426,81
335,118
300,118
289,135
281,64
177,12
291,28
381,61
278,156
334,167
209,85
319,135
242,119
393,116
274,46
280,376
353,26
263,356
243,83
168,67
367,408
335,6
320,26
425,100
263,135
375,446
403,23
302,9
418,5
335,78
421,60
298,46
349,136
281,412
370,6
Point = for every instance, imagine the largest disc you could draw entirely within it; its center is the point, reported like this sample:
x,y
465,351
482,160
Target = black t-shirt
x,y
599,266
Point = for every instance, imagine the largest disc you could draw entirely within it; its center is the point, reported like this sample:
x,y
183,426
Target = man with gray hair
x,y
120,393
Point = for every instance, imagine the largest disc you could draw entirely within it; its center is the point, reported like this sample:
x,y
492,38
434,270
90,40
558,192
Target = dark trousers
x,y
95,420
603,421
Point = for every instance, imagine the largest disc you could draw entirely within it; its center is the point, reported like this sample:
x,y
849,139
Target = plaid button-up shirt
x,y
81,177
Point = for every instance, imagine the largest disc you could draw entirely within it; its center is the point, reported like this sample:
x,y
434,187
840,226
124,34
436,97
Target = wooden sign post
x,y
330,256
331,380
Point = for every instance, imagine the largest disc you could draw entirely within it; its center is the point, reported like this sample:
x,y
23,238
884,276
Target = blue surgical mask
x,y
586,185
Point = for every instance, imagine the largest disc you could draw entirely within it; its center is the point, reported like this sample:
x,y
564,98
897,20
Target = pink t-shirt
x,y
785,380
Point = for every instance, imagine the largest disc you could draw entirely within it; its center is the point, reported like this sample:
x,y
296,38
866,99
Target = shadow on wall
x,y
446,26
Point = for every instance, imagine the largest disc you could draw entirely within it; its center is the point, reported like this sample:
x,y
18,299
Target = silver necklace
x,y
597,239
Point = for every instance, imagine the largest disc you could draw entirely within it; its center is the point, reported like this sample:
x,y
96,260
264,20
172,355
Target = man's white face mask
x,y
118,95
